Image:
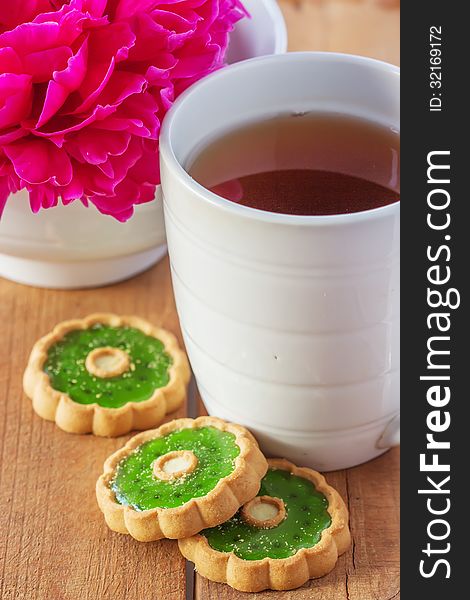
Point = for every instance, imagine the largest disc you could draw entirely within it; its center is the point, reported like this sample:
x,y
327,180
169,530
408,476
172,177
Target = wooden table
x,y
54,544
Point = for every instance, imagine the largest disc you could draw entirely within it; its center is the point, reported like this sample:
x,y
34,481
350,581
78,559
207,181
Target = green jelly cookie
x,y
106,374
306,516
292,531
179,479
147,369
136,485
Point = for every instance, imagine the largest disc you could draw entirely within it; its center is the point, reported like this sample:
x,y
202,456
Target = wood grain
x,y
366,27
54,544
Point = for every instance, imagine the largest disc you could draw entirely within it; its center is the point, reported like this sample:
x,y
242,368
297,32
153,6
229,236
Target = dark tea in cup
x,y
304,164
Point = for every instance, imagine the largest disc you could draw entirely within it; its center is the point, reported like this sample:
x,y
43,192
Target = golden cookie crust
x,y
73,417
210,510
277,574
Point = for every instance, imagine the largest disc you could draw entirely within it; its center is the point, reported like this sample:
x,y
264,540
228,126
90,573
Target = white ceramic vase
x,y
77,247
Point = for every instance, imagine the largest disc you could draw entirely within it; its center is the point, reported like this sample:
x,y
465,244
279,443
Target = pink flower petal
x,y
147,106
147,193
90,91
11,135
97,145
146,169
121,86
67,125
32,37
84,86
95,7
9,61
127,8
38,161
15,98
65,82
44,196
73,191
41,65
20,11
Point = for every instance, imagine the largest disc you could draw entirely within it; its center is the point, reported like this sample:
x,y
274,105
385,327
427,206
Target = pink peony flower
x,y
84,85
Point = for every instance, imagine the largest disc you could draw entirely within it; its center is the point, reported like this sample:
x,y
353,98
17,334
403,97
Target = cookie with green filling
x,y
293,531
185,476
106,374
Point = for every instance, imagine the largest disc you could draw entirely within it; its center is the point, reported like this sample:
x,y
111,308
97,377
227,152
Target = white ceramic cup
x,y
291,322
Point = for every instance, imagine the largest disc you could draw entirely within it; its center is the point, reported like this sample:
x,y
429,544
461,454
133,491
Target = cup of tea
x,y
280,178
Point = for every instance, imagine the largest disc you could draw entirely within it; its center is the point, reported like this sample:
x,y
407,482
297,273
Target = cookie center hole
x,y
107,362
177,464
174,464
264,512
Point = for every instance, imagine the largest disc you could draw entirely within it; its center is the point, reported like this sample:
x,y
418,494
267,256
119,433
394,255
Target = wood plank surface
x,y
54,544
366,27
